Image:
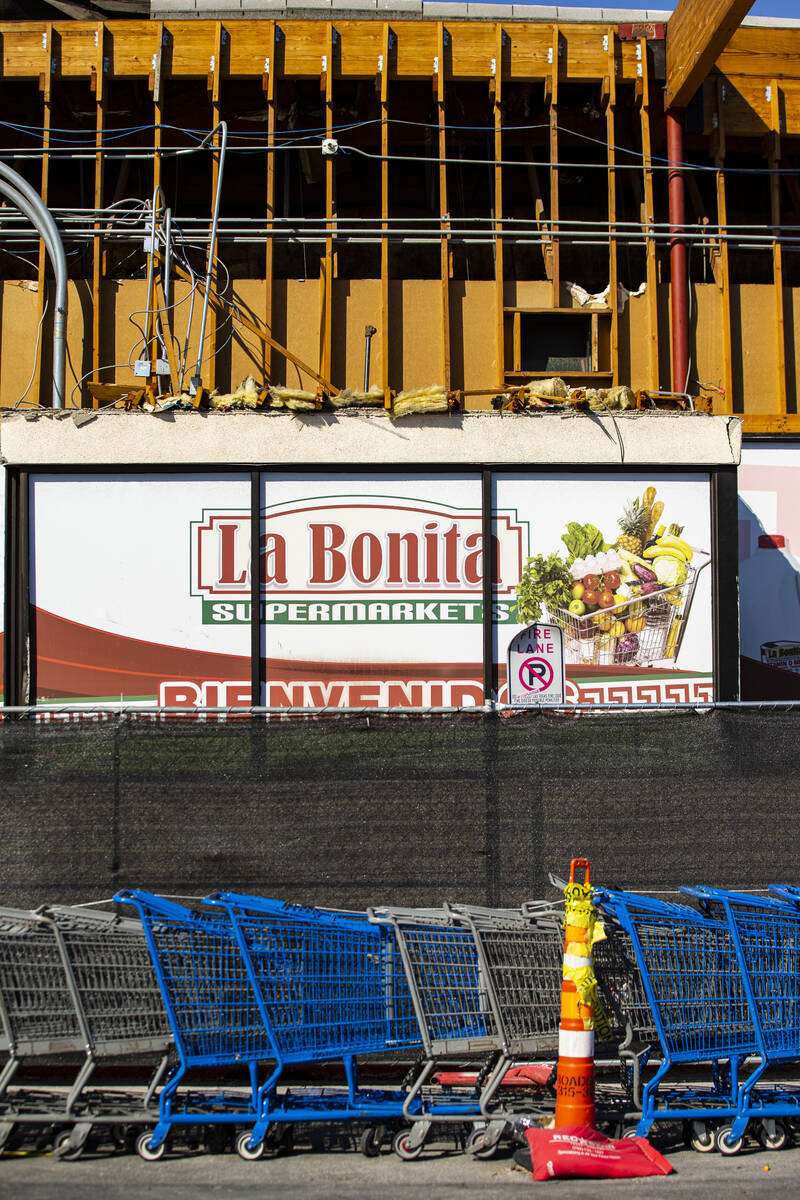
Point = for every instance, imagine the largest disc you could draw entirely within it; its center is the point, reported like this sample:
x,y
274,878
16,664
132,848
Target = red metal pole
x,y
679,290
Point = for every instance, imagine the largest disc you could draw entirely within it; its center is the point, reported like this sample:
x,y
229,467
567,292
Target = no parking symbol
x,y
536,666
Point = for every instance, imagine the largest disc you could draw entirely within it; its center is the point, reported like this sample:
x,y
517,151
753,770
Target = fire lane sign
x,y
536,666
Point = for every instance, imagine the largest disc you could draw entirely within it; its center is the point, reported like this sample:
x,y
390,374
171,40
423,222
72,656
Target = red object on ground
x,y
528,1075
578,1151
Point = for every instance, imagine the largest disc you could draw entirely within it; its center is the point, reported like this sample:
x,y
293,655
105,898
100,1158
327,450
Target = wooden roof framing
x,y
760,99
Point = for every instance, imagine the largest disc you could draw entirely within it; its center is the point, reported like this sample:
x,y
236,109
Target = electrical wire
x,y
84,139
17,403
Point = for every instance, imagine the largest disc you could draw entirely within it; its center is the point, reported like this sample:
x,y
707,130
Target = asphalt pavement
x,y
344,1174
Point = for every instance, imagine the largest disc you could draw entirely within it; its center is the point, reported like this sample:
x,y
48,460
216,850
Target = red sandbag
x,y
578,1151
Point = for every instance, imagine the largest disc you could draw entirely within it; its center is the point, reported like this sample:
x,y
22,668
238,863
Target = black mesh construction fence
x,y
392,808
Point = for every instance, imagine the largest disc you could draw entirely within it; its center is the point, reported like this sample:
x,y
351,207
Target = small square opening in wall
x,y
556,342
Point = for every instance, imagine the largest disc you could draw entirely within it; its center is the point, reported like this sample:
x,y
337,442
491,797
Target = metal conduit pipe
x,y
27,200
212,250
679,279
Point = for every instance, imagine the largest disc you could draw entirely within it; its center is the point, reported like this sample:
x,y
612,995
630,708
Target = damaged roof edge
x,y
435,10
343,439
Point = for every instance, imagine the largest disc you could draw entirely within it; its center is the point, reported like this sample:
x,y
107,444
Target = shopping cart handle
x,y
156,904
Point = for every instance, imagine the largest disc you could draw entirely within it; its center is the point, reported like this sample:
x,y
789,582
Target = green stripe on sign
x,y
349,612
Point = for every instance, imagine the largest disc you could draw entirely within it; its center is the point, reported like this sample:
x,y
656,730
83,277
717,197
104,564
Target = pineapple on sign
x,y
635,526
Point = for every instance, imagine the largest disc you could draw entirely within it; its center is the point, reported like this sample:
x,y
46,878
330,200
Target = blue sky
x,y
761,8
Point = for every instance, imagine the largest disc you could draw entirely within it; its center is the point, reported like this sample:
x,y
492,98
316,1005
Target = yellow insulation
x,y
281,397
245,396
420,400
348,398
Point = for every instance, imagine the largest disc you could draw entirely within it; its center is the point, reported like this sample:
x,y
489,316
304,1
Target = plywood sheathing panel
x,y
415,349
751,303
530,293
356,303
246,351
20,313
474,345
296,326
414,354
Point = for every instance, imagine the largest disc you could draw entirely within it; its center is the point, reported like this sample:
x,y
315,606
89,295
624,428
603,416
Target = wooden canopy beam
x,y
697,33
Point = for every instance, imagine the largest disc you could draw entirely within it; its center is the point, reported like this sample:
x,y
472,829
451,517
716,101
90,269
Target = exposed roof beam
x,y
80,12
697,33
92,10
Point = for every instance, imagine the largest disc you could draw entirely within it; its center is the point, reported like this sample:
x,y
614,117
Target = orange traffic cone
x,y
575,1074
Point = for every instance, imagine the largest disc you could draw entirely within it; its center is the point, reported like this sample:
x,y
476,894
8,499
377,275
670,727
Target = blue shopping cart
x,y
701,1011
264,984
765,933
212,1010
330,986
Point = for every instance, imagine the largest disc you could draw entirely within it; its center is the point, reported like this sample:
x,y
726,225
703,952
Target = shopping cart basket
x,y
646,629
476,992
76,981
213,1012
625,1001
691,976
766,935
329,987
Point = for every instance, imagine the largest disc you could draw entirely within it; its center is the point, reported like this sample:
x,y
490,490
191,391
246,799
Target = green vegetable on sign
x,y
583,540
545,586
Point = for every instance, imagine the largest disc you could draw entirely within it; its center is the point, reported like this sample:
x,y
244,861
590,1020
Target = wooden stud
x,y
328,264
216,75
444,216
268,84
723,280
46,84
385,318
542,226
517,342
156,81
99,76
777,249
613,273
555,265
499,286
647,219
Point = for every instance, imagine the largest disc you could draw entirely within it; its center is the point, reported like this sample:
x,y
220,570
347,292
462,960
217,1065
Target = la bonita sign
x,y
536,666
355,545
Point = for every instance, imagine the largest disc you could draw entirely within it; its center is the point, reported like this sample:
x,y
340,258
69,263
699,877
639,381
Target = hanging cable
x,y
17,403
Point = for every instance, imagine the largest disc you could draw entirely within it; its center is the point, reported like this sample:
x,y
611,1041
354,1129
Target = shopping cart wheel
x,y
726,1144
475,1145
401,1147
371,1140
144,1149
245,1150
774,1135
700,1137
60,1143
